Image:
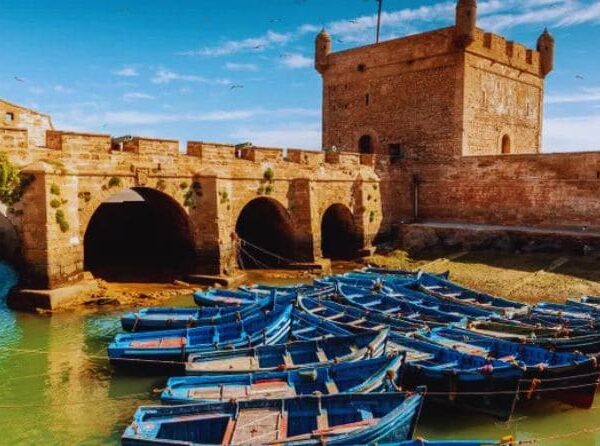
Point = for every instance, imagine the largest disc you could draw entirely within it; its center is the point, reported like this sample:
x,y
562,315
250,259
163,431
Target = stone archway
x,y
139,234
266,234
338,233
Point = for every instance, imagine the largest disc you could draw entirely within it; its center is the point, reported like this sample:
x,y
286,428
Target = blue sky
x,y
241,70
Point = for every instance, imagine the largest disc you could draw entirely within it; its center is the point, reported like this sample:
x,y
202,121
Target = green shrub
x,y
62,221
269,174
54,189
55,203
269,189
114,182
183,185
372,216
12,182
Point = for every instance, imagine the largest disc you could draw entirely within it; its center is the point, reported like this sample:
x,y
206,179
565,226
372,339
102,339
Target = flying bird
x,y
235,86
18,79
275,20
354,22
257,47
579,76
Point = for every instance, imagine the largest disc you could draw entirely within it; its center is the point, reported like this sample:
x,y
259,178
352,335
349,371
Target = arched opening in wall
x,y
506,148
365,144
266,235
10,244
338,233
139,234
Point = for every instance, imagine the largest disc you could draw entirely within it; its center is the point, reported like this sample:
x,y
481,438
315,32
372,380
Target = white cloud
x,y
127,72
571,134
584,95
231,66
133,96
163,76
296,61
260,43
302,136
80,117
62,89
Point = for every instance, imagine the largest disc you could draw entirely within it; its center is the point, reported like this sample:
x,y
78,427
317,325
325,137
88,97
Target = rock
x,y
181,283
415,240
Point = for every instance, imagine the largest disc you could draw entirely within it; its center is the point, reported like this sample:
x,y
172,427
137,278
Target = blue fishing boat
x,y
294,355
422,442
408,305
398,272
463,380
218,297
552,338
356,319
169,349
568,377
568,311
342,419
585,303
306,327
447,290
163,318
369,375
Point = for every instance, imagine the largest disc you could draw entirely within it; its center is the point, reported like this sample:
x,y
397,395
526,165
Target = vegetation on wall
x,y
266,184
61,220
56,203
13,183
114,181
85,196
161,185
191,196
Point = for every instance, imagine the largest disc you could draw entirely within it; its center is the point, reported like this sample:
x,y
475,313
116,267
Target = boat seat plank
x,y
245,363
332,387
257,426
321,355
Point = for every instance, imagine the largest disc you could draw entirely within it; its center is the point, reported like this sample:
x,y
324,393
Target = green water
x,y
57,388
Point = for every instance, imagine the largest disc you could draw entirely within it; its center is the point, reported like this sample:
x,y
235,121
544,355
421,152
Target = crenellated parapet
x,y
507,52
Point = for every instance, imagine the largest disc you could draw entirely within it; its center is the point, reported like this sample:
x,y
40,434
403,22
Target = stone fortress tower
x,y
452,92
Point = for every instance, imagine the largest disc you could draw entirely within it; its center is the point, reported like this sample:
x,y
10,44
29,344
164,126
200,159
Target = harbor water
x,y
57,388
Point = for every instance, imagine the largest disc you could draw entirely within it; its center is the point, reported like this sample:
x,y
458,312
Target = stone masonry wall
x,y
405,91
552,190
503,96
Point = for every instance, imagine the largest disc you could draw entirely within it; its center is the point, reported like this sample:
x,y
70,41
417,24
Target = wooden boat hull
x,y
568,377
470,383
295,355
447,290
155,319
168,350
351,419
368,375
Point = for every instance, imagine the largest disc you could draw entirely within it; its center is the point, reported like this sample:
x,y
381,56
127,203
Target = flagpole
x,y
379,19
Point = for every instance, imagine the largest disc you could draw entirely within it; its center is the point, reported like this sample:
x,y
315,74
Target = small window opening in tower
x,y
9,117
395,153
365,144
506,145
367,99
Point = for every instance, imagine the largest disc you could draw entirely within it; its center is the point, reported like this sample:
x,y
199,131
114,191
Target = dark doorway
x,y
365,144
139,234
338,234
266,235
506,145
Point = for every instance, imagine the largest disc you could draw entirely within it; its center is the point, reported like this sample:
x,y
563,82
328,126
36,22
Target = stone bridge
x,y
142,207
